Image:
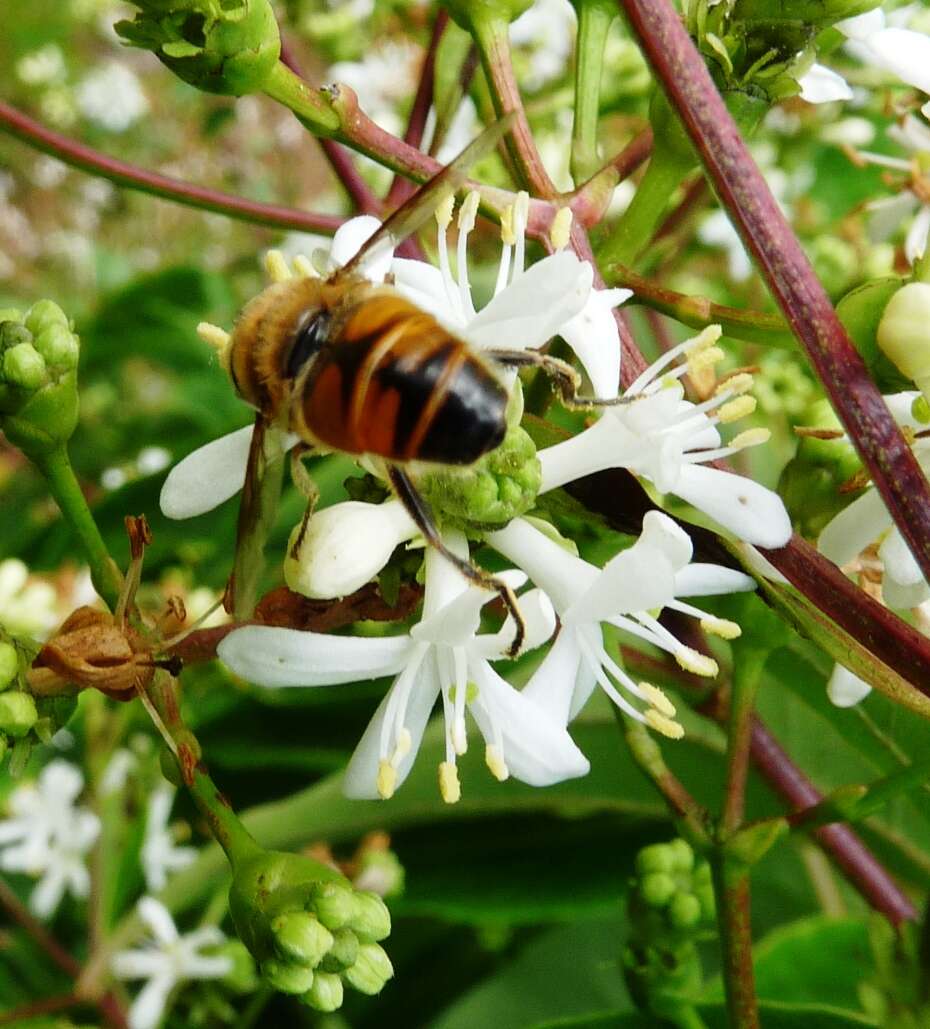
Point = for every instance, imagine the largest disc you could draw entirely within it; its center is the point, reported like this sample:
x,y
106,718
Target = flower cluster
x,y
667,440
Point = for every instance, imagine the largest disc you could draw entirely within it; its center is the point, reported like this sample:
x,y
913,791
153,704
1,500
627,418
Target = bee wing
x,y
413,214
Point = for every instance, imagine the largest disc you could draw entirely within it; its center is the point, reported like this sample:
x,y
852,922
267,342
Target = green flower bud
x,y
371,919
12,333
371,970
861,311
221,46
682,855
9,665
334,904
817,13
467,13
486,495
655,858
43,315
657,889
300,937
58,346
286,976
904,333
242,977
342,953
684,912
325,994
24,367
18,713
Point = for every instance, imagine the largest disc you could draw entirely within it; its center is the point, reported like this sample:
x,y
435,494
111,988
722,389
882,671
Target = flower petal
x,y
707,580
271,656
148,1008
157,917
349,239
905,54
423,285
552,686
847,534
846,689
751,512
821,85
595,338
915,242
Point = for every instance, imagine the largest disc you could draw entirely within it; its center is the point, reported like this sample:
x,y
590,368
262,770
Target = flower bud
x,y
43,315
23,367
684,912
241,978
655,858
904,333
229,47
467,13
18,713
657,889
345,546
325,994
286,976
371,970
682,855
300,937
9,665
342,953
334,904
371,919
10,314
12,333
58,346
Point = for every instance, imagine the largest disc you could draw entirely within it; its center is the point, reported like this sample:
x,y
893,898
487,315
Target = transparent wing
x,y
413,214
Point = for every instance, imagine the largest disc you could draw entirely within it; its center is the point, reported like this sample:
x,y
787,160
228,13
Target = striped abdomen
x,y
391,381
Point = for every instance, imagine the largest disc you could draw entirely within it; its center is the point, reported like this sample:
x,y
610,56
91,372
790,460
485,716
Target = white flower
x,y
821,85
48,836
27,606
383,80
167,961
845,689
668,440
442,656
160,856
43,66
547,29
112,96
626,593
866,520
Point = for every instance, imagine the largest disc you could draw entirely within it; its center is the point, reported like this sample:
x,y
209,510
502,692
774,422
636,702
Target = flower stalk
x,y
594,19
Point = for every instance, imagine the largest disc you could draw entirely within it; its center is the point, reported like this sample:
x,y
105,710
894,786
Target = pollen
x,y
733,410
741,382
666,726
721,627
705,338
276,267
561,228
217,338
693,661
449,786
387,780
750,438
444,211
704,358
304,267
507,233
468,211
494,759
657,699
402,749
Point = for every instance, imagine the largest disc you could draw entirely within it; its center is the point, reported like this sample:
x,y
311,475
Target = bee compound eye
x,y
310,335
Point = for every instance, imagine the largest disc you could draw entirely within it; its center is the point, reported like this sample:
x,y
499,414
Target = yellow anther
x,y
387,780
218,338
693,661
907,431
304,267
449,786
733,410
276,267
750,438
468,211
654,696
444,211
706,357
721,627
705,338
742,382
561,228
507,233
402,749
666,726
494,759
521,212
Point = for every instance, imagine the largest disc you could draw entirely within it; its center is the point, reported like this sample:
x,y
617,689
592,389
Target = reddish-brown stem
x,y
633,154
123,173
852,856
732,892
747,667
743,191
47,1006
696,193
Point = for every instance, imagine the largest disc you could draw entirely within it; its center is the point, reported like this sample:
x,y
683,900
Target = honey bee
x,y
355,367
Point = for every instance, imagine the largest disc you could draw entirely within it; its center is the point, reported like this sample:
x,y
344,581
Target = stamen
x,y
657,699
468,210
507,233
750,438
444,211
466,223
449,786
700,360
666,726
706,338
741,382
402,749
217,338
721,627
387,780
304,267
561,228
697,663
733,410
459,734
494,759
521,215
276,267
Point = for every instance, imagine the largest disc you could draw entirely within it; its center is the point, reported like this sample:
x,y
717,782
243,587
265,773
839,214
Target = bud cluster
x,y
18,712
310,931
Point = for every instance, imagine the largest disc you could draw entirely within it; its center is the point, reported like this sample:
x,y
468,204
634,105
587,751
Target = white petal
x,y
47,895
595,339
61,782
552,685
533,309
345,546
905,54
748,510
158,919
886,215
537,748
138,964
270,656
608,443
539,623
845,689
423,285
349,239
149,1007
761,565
665,534
916,241
847,534
821,85
863,26
707,580
361,778
898,560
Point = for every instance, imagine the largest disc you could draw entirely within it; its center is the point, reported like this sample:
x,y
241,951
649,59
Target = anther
x,y
276,267
706,357
733,410
449,786
721,627
402,749
561,228
693,661
750,438
741,382
707,337
468,211
387,780
444,211
507,233
494,759
657,699
217,338
666,726
304,267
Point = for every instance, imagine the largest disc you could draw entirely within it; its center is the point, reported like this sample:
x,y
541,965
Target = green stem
x,y
310,105
56,468
594,19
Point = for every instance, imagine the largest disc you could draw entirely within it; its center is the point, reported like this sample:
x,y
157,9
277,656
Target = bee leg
x,y
419,511
304,482
561,372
